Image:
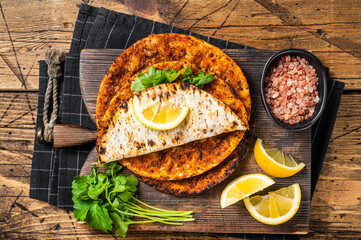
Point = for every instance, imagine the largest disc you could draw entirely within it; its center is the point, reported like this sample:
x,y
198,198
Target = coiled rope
x,y
53,57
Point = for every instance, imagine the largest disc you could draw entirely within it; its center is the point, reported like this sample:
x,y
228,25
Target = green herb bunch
x,y
108,202
156,77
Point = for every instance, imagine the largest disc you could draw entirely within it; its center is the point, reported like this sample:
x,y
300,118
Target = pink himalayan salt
x,y
291,89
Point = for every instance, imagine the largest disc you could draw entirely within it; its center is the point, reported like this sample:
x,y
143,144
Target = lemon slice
x,y
155,116
277,207
275,162
243,187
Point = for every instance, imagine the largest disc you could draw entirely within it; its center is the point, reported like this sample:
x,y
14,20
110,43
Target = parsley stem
x,y
126,213
168,213
159,214
170,217
108,210
145,221
149,221
159,209
159,217
156,219
106,195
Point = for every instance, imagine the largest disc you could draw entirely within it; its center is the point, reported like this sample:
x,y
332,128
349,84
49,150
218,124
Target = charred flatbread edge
x,y
228,166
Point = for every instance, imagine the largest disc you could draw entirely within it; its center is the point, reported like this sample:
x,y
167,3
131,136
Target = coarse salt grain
x,y
275,95
291,89
317,99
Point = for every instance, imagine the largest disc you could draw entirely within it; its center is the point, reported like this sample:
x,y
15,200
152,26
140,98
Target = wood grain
x,y
335,209
207,211
331,29
66,135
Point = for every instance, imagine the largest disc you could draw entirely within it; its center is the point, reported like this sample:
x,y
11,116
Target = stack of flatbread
x,y
206,147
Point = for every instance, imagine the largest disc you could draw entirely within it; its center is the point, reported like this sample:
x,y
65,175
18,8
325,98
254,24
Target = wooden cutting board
x,y
207,211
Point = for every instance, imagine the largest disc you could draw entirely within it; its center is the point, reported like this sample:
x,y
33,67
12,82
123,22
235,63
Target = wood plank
x,y
209,215
331,27
337,192
32,31
90,86
335,19
17,123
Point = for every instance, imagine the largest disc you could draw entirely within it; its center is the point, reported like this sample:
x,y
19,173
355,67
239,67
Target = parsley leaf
x,y
137,85
159,78
113,168
132,181
99,218
151,72
156,77
81,209
80,188
171,74
199,80
118,184
95,190
120,226
108,201
188,72
125,196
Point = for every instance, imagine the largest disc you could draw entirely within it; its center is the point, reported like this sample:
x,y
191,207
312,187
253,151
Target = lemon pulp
x,y
275,162
158,117
244,186
276,207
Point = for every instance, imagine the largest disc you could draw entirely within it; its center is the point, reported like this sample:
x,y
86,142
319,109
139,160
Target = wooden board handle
x,y
66,135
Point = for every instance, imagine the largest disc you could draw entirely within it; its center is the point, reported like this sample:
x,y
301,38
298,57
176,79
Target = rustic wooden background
x,y
331,29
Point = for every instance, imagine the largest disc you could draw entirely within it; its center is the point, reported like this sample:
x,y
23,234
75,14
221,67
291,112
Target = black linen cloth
x,y
53,169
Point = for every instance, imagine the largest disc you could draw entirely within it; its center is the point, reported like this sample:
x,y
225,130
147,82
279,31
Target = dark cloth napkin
x,y
53,169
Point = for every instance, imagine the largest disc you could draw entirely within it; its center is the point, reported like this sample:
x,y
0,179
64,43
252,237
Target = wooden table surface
x,y
331,29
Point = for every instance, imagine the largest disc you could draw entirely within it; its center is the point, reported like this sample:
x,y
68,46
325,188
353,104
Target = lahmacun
x,y
199,159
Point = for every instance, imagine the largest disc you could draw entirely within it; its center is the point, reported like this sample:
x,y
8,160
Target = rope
x,y
53,58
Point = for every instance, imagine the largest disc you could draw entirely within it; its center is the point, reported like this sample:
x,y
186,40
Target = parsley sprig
x,y
156,77
108,201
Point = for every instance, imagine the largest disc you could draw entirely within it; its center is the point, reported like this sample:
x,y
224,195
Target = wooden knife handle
x,y
66,135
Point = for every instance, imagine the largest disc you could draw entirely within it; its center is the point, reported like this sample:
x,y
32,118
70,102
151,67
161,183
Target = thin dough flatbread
x,y
194,158
207,180
157,48
125,136
231,88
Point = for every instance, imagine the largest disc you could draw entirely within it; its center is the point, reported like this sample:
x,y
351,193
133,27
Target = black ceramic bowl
x,y
322,87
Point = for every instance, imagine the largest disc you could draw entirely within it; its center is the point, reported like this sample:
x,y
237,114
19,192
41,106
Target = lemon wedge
x,y
277,207
275,162
244,186
155,116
